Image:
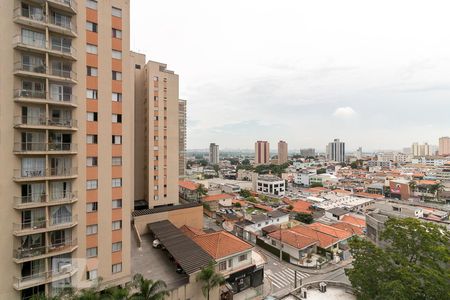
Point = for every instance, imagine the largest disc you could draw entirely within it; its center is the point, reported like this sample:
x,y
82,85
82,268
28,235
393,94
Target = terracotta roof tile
x,y
336,232
191,231
221,244
217,197
293,238
189,185
354,221
349,228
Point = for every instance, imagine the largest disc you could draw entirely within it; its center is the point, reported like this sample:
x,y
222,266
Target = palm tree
x,y
116,293
148,289
210,279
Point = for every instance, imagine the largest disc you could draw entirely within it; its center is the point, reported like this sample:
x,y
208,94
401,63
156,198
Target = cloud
x,y
344,112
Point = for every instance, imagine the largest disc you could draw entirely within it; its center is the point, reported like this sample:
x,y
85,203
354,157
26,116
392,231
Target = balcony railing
x,y
29,14
68,74
62,196
39,199
31,42
23,282
39,173
38,146
42,121
23,93
64,23
42,223
29,252
72,4
63,97
62,220
68,50
33,68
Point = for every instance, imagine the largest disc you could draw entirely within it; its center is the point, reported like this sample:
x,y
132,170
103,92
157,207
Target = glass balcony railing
x,y
62,196
34,14
34,68
42,198
63,97
39,146
36,174
42,223
23,282
30,199
64,49
68,74
24,93
63,22
42,121
37,250
72,4
29,41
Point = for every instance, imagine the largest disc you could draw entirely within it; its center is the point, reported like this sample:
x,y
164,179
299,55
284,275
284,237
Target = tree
x,y
116,293
321,171
316,184
251,199
210,279
201,190
246,162
148,289
245,193
413,265
304,218
237,204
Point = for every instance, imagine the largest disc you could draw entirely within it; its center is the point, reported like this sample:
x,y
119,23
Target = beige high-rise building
x,y
66,114
282,152
262,152
421,150
182,137
156,133
444,145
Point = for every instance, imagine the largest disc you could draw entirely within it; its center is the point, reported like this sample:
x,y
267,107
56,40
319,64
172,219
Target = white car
x,y
156,244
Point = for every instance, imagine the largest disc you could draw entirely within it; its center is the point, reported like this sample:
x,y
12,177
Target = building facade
x,y
213,154
335,151
156,133
308,152
182,137
444,145
262,152
67,119
282,152
420,150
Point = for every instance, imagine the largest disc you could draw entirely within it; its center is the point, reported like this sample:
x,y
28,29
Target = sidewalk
x,y
330,267
255,293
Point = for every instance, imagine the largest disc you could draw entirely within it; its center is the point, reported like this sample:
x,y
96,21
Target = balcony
x,y
42,46
42,148
30,253
34,18
25,282
44,174
62,26
39,226
41,71
40,200
65,5
33,96
40,122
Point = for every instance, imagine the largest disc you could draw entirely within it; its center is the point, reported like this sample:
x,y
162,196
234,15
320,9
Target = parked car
x,y
156,243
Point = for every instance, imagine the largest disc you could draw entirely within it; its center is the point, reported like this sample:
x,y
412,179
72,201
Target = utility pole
x,y
295,279
281,245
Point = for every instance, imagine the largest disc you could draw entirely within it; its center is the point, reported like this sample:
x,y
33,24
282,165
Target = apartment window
x,y
116,75
116,33
116,12
116,118
242,257
91,275
230,263
117,160
90,26
91,4
91,139
117,268
92,116
91,184
155,78
91,71
116,225
117,54
116,182
91,229
91,161
92,49
156,197
117,139
136,66
117,203
222,265
117,97
91,207
91,94
116,246
91,252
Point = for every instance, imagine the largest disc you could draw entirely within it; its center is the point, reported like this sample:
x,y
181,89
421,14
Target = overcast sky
x,y
374,73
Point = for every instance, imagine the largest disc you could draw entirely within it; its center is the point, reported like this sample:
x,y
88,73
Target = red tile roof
x,y
300,206
317,189
354,221
352,229
216,197
339,233
189,185
191,231
293,238
221,244
369,195
324,240
263,207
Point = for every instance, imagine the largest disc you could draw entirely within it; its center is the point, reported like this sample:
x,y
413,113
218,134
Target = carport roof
x,y
185,251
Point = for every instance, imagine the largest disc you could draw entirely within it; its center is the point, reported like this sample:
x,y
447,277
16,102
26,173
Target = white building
x,y
213,154
421,150
435,161
336,151
252,227
303,177
269,185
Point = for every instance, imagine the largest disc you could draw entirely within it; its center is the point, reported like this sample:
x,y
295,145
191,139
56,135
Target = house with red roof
x,y
212,203
188,191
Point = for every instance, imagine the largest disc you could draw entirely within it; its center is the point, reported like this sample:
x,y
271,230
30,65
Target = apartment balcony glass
x,y
36,66
30,11
62,69
64,22
35,250
61,93
32,219
31,38
67,5
62,45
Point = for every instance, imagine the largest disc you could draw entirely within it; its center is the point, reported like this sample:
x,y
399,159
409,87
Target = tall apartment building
x,y
66,122
156,133
213,154
262,152
182,137
335,151
421,150
282,152
444,145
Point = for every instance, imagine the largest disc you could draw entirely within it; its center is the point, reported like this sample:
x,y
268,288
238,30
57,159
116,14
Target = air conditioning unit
x,y
66,268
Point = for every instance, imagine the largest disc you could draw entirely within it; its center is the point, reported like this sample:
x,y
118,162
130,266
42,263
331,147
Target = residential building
x,y
421,149
212,203
188,191
396,157
269,185
67,121
213,154
436,161
182,137
444,145
303,177
335,151
308,152
262,152
282,152
251,228
156,133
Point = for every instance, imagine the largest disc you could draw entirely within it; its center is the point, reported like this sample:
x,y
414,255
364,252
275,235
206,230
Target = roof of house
x,y
324,240
263,207
337,211
426,182
293,238
368,195
217,197
339,233
191,231
343,192
349,228
221,244
354,221
317,189
189,185
301,206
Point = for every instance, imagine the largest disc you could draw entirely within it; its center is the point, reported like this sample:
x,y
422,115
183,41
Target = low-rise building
x,y
188,191
212,203
252,226
269,185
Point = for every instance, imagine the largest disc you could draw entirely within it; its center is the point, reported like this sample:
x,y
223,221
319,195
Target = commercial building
x,y
444,145
66,124
182,137
282,152
156,133
262,152
335,151
213,154
269,185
